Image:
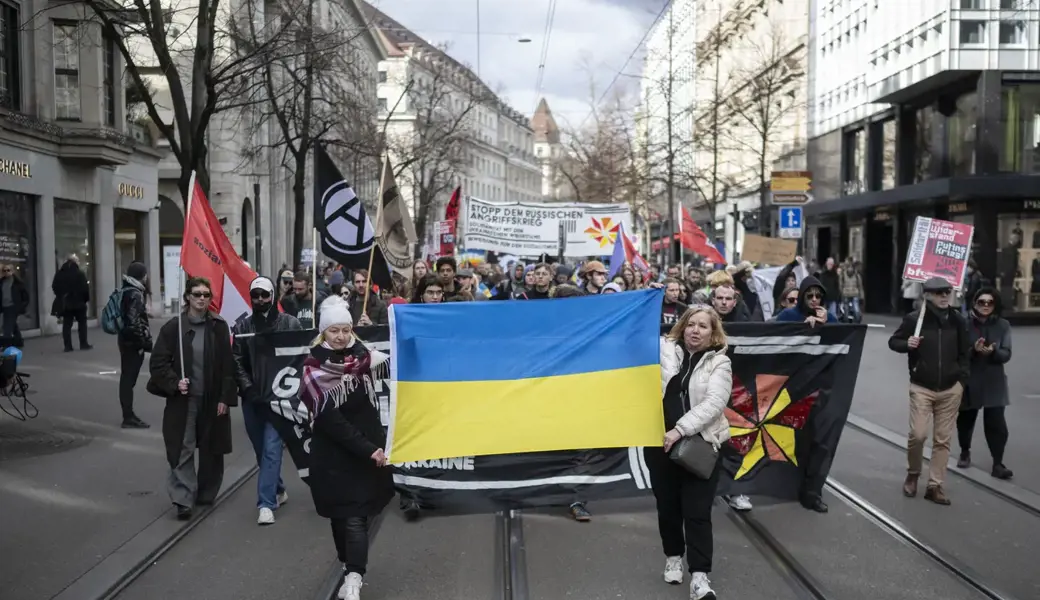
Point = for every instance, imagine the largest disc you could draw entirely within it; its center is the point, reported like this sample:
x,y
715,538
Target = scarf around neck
x,y
329,376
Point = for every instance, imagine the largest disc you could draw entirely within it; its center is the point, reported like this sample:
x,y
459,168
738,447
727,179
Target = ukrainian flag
x,y
480,378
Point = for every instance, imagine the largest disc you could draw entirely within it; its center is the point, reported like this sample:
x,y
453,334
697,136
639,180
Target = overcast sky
x,y
600,33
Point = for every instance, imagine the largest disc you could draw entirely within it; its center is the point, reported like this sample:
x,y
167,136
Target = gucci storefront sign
x,y
15,168
131,191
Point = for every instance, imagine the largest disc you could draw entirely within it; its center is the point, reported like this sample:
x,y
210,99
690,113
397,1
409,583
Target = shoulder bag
x,y
695,454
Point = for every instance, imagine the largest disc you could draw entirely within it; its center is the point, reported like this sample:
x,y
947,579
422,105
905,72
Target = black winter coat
x,y
20,294
943,358
71,290
212,432
988,385
136,333
242,349
344,480
831,282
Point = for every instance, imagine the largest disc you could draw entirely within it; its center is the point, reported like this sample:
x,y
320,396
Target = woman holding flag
x,y
349,476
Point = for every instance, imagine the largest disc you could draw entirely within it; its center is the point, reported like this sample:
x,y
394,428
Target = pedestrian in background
x,y
939,363
256,415
71,295
830,278
196,415
350,479
852,289
912,291
989,336
134,339
14,302
697,381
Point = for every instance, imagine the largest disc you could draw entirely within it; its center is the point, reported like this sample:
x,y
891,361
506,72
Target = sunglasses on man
x,y
260,294
814,296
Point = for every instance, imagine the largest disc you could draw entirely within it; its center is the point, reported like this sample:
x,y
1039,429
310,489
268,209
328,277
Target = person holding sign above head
x,y
350,478
938,348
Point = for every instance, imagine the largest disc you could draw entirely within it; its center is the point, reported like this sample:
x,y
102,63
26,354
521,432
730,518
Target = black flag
x,y
346,232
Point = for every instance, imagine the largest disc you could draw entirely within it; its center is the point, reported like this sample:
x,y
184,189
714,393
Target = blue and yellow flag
x,y
475,379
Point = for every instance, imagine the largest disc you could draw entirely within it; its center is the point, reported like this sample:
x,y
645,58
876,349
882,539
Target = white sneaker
x,y
673,571
266,517
700,587
282,498
351,588
741,503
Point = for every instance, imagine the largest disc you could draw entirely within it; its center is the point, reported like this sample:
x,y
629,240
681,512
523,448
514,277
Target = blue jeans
x,y
268,448
854,308
832,307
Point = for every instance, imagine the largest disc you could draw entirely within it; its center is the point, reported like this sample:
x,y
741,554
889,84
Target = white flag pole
x,y
180,312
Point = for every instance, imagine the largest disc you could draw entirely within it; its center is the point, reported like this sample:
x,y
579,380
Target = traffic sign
x,y
791,222
791,188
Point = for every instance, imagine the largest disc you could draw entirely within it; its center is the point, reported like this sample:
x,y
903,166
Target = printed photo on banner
x,y
938,249
529,229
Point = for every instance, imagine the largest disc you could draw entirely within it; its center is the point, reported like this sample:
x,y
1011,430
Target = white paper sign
x,y
531,229
171,275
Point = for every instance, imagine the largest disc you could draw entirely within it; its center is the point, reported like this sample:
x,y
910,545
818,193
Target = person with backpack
x,y
126,316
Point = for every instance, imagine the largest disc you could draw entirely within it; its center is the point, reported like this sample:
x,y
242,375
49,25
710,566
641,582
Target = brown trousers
x,y
942,408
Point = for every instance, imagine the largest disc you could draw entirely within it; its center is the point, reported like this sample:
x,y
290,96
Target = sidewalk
x,y
74,486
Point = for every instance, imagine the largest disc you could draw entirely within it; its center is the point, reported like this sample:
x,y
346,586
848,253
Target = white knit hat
x,y
334,311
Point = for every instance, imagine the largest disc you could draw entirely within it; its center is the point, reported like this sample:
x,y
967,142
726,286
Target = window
x,y
1012,32
382,77
973,32
1009,4
74,234
10,73
1018,261
383,104
110,81
66,72
971,4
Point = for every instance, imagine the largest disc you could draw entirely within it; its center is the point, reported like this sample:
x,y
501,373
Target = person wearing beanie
x,y
350,477
256,414
134,339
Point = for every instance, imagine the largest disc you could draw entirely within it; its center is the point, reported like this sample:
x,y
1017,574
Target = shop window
x,y
74,234
888,154
1018,261
960,135
1020,150
10,57
925,144
66,72
18,248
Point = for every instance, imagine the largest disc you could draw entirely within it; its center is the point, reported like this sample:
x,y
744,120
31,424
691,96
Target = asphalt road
x,y
69,505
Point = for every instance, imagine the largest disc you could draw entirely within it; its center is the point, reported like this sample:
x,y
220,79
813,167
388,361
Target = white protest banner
x,y
531,229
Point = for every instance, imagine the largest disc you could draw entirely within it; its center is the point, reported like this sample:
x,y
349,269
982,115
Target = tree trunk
x,y
422,217
201,176
299,207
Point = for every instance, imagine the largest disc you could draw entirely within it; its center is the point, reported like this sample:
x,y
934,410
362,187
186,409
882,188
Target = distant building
x,y
549,152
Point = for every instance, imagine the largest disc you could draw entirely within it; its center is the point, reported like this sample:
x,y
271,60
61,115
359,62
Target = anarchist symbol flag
x,y
346,232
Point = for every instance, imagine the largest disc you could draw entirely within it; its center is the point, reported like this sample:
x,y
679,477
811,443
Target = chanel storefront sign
x,y
131,191
15,168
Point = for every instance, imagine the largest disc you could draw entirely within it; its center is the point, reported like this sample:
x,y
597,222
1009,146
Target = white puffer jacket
x,y
710,387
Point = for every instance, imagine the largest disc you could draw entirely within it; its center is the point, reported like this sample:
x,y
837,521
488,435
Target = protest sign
x,y
938,249
768,251
533,229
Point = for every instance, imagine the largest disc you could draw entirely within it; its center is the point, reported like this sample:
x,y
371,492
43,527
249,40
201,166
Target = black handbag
x,y
695,454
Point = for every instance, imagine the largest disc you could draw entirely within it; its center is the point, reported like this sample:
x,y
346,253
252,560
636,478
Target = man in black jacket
x,y
939,362
71,294
134,339
256,416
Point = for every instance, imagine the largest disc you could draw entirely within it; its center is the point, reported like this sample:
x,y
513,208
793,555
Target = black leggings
x,y
353,536
684,504
994,426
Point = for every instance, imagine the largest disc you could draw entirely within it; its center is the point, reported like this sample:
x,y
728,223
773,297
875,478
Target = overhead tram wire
x,y
620,71
550,17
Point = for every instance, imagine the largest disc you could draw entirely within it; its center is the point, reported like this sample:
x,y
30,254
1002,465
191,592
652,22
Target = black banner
x,y
792,390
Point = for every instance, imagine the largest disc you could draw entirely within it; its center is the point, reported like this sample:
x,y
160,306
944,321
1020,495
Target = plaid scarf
x,y
329,376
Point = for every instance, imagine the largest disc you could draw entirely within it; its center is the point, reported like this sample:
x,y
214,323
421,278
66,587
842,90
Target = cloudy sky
x,y
598,33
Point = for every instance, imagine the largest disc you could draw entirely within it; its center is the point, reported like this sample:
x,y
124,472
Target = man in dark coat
x,y
197,397
134,340
14,301
71,295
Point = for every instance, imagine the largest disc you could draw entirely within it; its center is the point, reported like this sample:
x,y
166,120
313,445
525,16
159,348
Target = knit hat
x,y
137,270
334,311
336,278
613,287
261,283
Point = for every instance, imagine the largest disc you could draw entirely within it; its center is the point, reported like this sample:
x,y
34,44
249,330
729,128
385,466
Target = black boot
x,y
1001,472
134,422
965,460
183,513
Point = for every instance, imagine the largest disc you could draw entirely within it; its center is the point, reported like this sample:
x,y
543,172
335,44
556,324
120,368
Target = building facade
x,y
472,137
549,151
926,109
251,171
75,176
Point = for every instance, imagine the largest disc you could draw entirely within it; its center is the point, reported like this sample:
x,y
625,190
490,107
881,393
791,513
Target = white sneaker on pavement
x,y
282,498
673,571
700,587
351,588
266,517
741,503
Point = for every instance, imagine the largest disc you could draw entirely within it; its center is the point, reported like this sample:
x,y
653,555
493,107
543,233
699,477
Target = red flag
x,y
694,240
632,256
207,252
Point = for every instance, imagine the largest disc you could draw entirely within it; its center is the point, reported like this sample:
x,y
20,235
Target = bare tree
x,y
761,109
317,87
430,126
185,44
599,164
